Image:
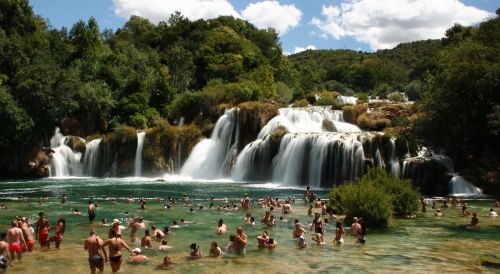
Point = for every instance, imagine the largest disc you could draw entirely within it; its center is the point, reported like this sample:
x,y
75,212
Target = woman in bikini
x,y
339,231
115,255
58,236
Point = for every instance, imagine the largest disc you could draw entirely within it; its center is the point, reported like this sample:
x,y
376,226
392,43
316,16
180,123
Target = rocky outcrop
x,y
252,117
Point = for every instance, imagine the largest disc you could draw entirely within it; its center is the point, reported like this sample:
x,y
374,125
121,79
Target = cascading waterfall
x,y
138,154
64,161
347,100
308,119
212,158
91,158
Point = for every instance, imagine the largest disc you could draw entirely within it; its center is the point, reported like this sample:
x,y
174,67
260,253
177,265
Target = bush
x,y
375,197
396,97
405,199
363,199
311,98
328,101
368,122
362,98
351,113
300,103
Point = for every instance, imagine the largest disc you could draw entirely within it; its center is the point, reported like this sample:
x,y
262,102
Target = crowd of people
x,y
22,237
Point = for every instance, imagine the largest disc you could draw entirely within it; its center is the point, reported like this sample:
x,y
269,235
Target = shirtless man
x,y
240,241
93,246
164,246
262,239
215,250
115,255
299,231
134,226
355,227
4,255
157,233
16,240
41,223
245,202
287,208
146,241
28,235
137,257
221,227
91,210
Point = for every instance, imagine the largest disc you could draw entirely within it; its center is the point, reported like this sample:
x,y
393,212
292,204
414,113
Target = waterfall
x,y
91,158
308,119
138,154
393,160
347,100
460,186
212,158
64,162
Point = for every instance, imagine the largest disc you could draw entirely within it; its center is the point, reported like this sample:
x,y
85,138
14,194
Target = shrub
x,y
362,98
300,103
328,101
351,113
396,97
311,98
404,198
367,122
364,199
376,197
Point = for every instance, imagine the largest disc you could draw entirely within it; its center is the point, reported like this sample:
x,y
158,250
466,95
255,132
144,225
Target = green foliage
x,y
16,124
459,98
413,90
328,101
396,97
363,199
300,103
189,105
283,93
375,197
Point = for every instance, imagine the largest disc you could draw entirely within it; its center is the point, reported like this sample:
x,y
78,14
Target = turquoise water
x,y
425,244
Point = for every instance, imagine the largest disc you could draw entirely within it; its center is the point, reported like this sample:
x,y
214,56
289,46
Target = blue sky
x,y
365,25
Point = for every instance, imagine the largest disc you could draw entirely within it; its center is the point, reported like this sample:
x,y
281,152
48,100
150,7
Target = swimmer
x,y
164,246
16,240
318,238
240,241
492,213
215,250
271,244
355,226
146,241
474,219
134,226
93,246
196,253
174,225
302,242
287,208
262,239
115,255
339,231
299,231
166,263
221,227
4,254
157,233
137,257
91,211
59,232
438,213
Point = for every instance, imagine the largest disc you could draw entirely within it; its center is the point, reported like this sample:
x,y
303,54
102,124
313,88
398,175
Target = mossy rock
x,y
252,116
370,122
76,144
351,113
278,134
328,125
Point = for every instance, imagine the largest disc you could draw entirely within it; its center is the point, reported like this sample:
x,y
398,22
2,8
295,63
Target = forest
x,y
96,81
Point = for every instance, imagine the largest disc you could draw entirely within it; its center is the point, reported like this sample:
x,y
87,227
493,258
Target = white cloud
x,y
384,24
300,49
160,10
272,14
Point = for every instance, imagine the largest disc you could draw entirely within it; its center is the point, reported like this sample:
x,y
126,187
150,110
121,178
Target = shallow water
x,y
424,245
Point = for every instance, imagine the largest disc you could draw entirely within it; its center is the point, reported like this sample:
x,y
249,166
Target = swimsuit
x,y
43,236
91,215
96,261
15,247
115,259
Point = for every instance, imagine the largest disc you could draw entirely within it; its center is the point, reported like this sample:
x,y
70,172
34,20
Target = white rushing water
x,y
64,162
138,154
211,158
309,119
91,158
